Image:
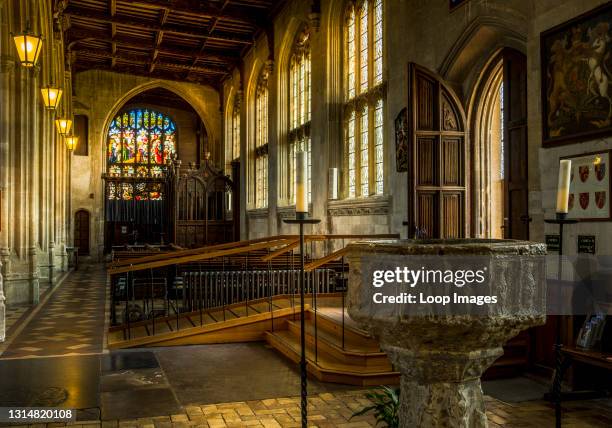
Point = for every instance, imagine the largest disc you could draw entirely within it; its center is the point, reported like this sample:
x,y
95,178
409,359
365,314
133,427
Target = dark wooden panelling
x,y
426,161
452,215
452,161
426,102
515,145
427,213
436,179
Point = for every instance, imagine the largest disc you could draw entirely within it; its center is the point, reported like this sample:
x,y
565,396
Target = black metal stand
x,y
556,386
301,219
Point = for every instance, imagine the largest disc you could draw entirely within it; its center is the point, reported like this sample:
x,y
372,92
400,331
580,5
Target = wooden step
x,y
328,369
352,335
330,344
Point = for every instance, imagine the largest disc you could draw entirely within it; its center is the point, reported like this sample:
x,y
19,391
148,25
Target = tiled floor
x,y
71,321
335,410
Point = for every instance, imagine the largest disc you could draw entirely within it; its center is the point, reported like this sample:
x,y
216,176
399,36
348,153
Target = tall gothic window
x,y
232,146
299,108
261,141
140,143
364,103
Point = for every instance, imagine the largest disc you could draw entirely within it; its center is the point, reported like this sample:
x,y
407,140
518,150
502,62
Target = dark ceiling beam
x,y
203,9
112,6
76,35
157,74
138,60
211,28
152,26
159,36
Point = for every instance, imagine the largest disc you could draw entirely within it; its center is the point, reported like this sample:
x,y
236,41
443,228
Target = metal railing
x,y
145,301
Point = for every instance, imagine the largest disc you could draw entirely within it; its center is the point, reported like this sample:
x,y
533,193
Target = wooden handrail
x,y
183,252
324,260
196,257
231,248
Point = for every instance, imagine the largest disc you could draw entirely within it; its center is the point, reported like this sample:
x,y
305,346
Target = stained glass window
x,y
261,142
364,98
299,107
140,142
232,148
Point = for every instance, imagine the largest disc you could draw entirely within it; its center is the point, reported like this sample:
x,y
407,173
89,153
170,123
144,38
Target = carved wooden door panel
x,y
515,145
436,176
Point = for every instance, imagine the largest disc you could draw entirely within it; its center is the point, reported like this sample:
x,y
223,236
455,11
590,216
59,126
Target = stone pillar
x,y
34,275
51,262
2,309
441,353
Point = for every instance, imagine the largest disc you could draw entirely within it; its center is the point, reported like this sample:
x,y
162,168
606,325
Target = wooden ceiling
x,y
186,40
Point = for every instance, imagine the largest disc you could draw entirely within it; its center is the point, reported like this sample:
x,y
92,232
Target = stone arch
x,y
177,89
479,42
483,104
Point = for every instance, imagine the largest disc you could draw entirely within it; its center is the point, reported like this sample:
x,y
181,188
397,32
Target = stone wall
x,y
102,94
549,13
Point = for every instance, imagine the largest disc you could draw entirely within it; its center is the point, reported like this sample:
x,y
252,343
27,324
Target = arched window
x,y
364,102
232,148
299,108
140,143
261,141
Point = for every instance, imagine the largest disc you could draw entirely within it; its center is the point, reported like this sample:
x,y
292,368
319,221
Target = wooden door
x,y
81,232
436,176
516,207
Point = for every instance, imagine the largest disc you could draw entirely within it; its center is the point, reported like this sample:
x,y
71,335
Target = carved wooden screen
x,y
436,176
202,215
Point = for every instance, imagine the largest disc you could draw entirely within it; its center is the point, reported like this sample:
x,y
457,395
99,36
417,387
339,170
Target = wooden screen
x,y
81,232
205,208
436,175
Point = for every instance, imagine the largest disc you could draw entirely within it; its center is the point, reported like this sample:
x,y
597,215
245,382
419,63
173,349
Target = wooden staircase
x,y
236,323
359,362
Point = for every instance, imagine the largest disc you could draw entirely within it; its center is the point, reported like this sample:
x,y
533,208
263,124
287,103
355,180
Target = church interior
x,y
191,193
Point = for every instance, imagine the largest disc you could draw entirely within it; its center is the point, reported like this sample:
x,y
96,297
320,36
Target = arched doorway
x,y
81,232
500,152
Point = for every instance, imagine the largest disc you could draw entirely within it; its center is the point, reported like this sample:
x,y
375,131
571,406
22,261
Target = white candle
x,y
301,182
565,168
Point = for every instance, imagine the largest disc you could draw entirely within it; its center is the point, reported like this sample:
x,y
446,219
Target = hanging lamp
x,y
51,96
71,142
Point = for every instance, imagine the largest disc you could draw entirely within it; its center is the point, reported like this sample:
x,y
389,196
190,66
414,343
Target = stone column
x,y
34,275
441,352
51,262
2,309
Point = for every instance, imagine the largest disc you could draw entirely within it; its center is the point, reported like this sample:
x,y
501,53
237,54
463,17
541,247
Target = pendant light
x,y
63,126
51,96
71,142
28,47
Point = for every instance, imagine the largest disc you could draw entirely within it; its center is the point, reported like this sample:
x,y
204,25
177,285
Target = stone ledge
x,y
375,205
258,213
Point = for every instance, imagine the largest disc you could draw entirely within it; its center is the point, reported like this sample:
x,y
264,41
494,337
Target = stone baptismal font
x,y
442,350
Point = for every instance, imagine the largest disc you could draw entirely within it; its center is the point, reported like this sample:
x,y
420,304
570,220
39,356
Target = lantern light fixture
x,y
71,142
51,96
63,126
29,46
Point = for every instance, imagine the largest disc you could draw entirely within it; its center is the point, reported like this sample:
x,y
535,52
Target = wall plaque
x,y
552,242
586,244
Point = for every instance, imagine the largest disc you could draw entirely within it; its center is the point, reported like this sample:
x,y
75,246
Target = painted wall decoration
x,y
589,197
576,61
